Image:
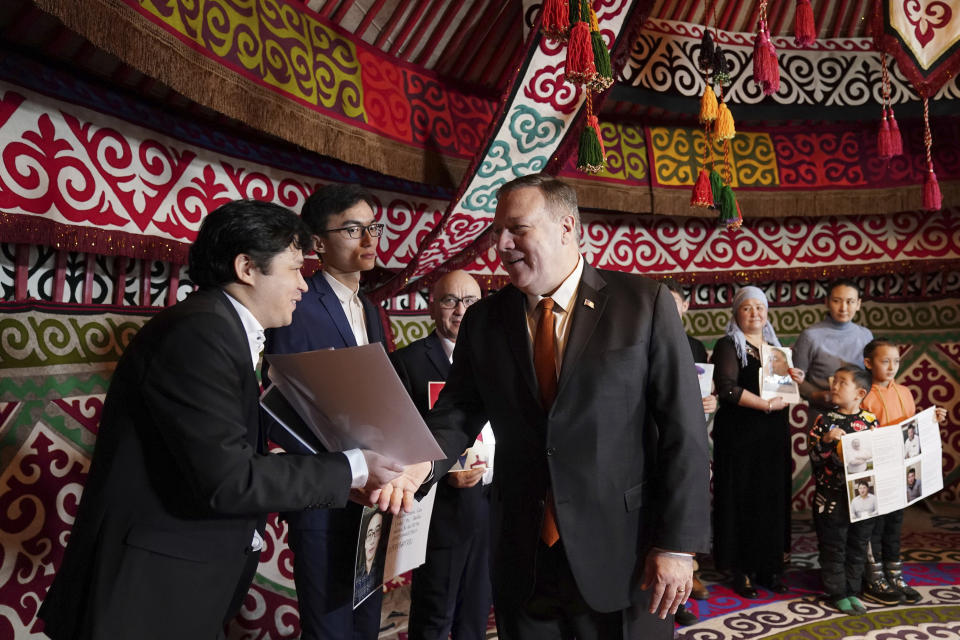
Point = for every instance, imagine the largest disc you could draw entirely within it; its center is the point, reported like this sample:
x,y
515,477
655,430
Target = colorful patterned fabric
x,y
924,38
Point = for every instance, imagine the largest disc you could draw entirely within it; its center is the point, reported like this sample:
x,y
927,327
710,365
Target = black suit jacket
x,y
627,368
456,512
177,484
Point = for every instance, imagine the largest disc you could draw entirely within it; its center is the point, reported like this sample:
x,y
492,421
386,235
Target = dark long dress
x,y
752,471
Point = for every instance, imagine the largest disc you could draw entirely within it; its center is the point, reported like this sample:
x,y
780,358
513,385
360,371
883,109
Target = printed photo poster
x,y
480,453
775,377
705,376
389,545
371,553
892,467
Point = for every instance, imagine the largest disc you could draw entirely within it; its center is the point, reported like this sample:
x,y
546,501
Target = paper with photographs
x,y
481,453
388,545
892,467
705,376
352,398
775,377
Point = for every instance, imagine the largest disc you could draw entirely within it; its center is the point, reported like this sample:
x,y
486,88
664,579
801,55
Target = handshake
x,y
390,485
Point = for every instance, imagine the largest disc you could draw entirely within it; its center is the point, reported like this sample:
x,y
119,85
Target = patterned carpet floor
x,y
931,553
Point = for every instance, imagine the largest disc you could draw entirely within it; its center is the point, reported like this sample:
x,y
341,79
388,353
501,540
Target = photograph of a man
x,y
859,457
914,490
911,442
775,374
864,503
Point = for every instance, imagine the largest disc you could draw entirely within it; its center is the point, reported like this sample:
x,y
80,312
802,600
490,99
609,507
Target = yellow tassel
x,y
708,105
725,130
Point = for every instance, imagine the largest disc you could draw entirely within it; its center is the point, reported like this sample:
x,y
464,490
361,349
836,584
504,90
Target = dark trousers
x,y
885,539
557,611
842,545
325,591
450,593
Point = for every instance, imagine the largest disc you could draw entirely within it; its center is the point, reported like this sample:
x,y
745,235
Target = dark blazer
x,y
178,482
620,482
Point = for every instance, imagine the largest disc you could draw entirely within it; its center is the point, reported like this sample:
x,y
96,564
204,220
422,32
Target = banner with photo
x,y
890,468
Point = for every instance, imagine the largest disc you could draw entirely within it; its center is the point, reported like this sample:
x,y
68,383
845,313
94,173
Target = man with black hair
x,y
168,533
333,314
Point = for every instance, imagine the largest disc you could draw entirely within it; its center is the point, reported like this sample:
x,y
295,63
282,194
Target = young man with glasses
x,y
450,593
332,314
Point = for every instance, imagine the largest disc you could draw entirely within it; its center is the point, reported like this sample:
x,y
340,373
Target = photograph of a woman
x,y
371,553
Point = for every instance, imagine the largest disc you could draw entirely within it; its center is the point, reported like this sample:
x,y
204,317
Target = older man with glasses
x,y
332,314
450,593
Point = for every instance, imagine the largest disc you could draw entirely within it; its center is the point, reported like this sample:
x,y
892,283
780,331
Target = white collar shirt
x,y
563,300
352,308
252,327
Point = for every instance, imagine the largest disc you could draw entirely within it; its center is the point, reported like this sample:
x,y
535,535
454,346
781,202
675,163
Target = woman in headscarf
x,y
751,451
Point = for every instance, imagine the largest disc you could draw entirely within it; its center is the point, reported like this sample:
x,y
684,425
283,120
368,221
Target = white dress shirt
x,y
563,300
352,308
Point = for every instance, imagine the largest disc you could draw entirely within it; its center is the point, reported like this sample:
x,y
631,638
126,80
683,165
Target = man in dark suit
x,y
450,593
600,496
332,314
168,532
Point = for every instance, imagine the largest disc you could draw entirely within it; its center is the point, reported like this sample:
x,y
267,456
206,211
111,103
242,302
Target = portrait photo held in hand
x,y
371,553
775,379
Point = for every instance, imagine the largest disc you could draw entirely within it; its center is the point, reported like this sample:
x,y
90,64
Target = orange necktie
x,y
545,365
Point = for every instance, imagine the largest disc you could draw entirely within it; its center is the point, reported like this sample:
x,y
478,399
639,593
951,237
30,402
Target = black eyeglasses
x,y
355,231
451,302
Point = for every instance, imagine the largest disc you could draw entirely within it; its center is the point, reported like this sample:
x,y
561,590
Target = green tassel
x,y
728,205
590,153
601,60
716,186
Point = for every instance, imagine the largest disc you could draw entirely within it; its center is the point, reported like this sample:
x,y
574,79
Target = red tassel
x,y
896,141
702,193
805,31
556,19
580,67
932,200
766,70
884,150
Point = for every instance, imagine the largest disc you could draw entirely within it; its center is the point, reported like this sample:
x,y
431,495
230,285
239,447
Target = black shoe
x,y
773,583
684,617
881,592
744,587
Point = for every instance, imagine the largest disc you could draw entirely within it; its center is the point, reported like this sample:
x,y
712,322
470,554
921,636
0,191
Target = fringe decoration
x,y
708,105
804,29
932,199
556,19
580,65
702,192
730,215
884,150
707,52
896,141
716,186
590,153
725,128
766,68
603,79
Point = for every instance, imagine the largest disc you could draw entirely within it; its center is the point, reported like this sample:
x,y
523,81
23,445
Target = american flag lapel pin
x,y
587,302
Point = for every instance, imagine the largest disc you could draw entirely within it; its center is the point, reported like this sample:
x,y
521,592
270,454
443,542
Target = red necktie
x,y
545,365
